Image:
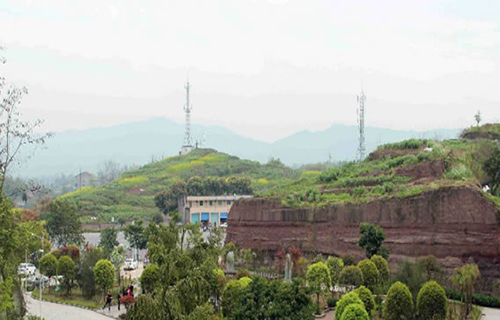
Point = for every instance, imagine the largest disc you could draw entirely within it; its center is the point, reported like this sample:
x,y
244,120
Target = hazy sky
x,y
263,68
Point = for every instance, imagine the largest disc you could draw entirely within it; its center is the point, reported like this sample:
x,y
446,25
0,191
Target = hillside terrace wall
x,y
453,224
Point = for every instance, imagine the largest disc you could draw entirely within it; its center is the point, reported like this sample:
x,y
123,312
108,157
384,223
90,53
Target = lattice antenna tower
x,y
187,109
361,125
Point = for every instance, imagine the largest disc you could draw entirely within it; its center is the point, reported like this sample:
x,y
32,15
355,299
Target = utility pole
x,y
361,125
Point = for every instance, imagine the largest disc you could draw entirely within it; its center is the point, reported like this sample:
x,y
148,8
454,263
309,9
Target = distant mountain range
x,y
140,142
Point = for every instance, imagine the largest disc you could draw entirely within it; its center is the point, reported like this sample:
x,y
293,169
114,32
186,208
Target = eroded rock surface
x,y
452,223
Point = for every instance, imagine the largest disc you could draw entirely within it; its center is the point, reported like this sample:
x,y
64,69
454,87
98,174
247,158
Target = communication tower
x,y
361,125
187,146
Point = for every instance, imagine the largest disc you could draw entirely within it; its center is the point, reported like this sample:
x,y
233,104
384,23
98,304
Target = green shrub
x,y
371,276
389,187
348,260
355,312
432,302
331,302
367,297
408,144
345,301
150,277
399,303
382,266
458,172
351,276
359,191
335,266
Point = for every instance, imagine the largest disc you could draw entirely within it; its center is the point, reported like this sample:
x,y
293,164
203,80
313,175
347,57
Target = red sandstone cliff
x,y
452,223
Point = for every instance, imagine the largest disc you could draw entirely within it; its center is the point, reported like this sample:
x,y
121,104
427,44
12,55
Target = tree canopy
x,y
63,222
372,239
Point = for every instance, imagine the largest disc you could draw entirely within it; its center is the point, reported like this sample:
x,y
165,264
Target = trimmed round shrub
x,y
399,303
355,312
432,302
367,297
382,266
345,301
351,276
371,276
150,277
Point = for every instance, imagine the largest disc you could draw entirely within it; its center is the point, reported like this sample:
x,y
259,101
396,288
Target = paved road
x,y
490,314
54,311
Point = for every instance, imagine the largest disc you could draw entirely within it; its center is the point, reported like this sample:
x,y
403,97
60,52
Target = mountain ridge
x,y
137,143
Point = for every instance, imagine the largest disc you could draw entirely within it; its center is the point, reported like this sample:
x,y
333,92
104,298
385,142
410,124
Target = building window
x,y
201,203
210,203
219,202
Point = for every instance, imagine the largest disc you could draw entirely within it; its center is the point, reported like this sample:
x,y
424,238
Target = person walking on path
x,y
118,297
109,298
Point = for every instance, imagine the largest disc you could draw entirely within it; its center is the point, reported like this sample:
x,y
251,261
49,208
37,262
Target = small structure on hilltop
x,y
85,179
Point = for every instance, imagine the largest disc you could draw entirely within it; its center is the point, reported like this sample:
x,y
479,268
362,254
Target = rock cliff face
x,y
452,223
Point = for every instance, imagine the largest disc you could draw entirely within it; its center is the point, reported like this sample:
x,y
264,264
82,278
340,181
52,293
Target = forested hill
x,y
132,195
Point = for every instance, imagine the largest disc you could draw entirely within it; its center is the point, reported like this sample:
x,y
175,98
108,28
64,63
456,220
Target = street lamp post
x,y
41,281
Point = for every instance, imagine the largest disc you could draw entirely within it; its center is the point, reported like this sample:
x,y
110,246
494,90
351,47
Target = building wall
x,y
208,209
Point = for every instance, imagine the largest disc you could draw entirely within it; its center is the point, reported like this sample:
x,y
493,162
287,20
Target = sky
x,y
262,68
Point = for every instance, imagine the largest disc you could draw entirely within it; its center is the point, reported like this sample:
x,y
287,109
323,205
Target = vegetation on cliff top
x,y
402,169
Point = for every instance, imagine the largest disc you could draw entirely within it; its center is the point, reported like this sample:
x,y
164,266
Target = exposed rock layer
x,y
452,223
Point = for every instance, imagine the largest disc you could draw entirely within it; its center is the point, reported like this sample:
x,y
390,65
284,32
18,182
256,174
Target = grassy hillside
x,y
132,195
399,169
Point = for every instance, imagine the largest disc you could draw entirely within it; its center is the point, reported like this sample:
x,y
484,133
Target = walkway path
x,y
490,314
54,311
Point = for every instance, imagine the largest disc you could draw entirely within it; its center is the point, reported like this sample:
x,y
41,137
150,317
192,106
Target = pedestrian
x,y
131,290
118,297
109,298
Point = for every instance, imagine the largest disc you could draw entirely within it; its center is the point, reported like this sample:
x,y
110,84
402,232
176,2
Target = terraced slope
x,y
132,195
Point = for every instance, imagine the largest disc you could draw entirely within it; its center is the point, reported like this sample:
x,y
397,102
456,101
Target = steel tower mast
x,y
187,147
361,125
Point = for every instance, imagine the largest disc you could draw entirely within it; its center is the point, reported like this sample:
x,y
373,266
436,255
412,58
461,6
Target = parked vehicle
x,y
131,264
26,269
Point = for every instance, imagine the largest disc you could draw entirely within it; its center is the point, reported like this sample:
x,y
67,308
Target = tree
x,y
134,233
477,117
355,312
383,267
464,279
108,240
346,300
63,222
371,276
430,268
108,171
399,303
144,308
48,265
66,268
104,273
273,299
150,277
117,260
318,279
203,312
85,278
335,266
231,296
351,276
167,201
432,302
410,274
372,239
15,133
367,297
217,283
